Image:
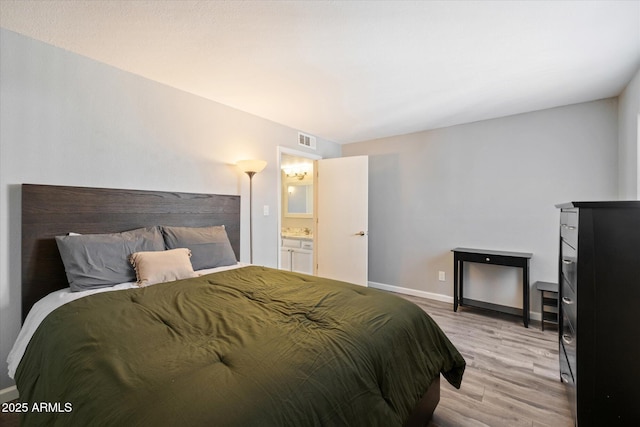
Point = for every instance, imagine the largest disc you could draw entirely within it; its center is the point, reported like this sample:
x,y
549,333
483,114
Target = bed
x,y
229,345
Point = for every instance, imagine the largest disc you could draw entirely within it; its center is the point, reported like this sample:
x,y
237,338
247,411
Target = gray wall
x,y
69,120
490,184
629,155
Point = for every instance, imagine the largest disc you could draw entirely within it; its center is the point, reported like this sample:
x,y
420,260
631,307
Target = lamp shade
x,y
254,166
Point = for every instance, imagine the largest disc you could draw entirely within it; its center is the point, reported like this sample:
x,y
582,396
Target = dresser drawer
x,y
567,378
568,341
566,374
569,302
569,227
569,259
569,217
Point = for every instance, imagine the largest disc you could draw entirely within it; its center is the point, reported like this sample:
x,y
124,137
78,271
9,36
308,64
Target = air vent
x,y
306,140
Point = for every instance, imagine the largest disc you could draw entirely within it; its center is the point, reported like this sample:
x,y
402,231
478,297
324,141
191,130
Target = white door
x,y
342,218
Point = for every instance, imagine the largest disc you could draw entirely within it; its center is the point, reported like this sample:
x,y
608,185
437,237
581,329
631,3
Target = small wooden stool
x,y
550,300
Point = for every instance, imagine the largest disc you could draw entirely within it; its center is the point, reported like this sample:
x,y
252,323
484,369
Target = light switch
x,y
265,210
441,276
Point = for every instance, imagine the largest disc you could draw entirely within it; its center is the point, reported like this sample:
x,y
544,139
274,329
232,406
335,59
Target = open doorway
x,y
296,210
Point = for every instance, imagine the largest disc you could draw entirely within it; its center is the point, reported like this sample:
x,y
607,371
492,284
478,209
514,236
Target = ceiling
x,y
349,71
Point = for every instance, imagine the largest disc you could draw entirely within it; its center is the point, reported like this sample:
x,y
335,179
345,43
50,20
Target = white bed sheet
x,y
56,299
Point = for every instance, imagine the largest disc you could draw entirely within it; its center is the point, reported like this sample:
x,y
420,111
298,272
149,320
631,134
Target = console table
x,y
484,256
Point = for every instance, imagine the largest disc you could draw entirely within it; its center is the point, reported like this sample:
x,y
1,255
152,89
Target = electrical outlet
x,y
441,276
265,210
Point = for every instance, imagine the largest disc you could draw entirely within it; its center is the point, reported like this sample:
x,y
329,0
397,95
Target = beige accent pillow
x,y
162,266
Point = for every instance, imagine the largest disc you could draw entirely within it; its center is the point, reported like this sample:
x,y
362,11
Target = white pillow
x,y
162,266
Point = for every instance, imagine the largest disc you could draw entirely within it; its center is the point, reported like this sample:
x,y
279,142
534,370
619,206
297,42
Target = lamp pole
x,y
251,174
251,167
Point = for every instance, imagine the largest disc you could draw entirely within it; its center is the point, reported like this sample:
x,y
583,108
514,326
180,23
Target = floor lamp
x,y
251,167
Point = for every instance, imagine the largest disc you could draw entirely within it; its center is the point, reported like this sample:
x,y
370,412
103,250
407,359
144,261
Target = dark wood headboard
x,y
49,211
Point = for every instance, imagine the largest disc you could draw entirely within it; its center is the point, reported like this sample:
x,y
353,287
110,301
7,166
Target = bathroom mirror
x,y
299,200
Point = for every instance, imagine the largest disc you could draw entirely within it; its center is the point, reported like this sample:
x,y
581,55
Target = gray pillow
x,y
101,260
209,246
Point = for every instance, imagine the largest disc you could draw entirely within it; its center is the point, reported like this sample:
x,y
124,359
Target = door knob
x,y
362,233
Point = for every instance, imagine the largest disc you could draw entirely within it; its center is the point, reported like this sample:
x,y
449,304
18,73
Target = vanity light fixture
x,y
300,176
299,171
251,167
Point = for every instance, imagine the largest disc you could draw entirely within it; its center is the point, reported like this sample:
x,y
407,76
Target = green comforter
x,y
247,347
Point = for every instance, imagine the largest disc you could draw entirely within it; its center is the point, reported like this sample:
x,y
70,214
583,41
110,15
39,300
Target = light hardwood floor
x,y
512,376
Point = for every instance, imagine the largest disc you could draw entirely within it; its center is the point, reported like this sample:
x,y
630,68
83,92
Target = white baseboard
x,y
8,394
412,292
428,295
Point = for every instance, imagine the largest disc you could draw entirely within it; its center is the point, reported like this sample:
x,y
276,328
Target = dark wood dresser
x,y
599,330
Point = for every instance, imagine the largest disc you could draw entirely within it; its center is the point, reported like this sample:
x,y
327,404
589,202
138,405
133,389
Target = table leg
x,y
455,282
461,282
525,293
542,308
